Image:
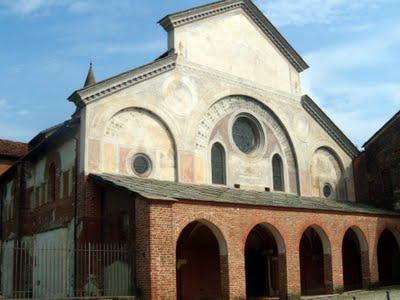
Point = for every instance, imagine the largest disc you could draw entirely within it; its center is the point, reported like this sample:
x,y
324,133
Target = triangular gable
x,y
202,12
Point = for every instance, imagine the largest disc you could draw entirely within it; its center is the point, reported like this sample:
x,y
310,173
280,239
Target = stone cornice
x,y
114,84
327,124
202,12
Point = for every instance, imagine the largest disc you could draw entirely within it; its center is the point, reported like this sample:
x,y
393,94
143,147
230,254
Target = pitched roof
x,y
174,191
383,128
330,127
178,19
13,149
124,80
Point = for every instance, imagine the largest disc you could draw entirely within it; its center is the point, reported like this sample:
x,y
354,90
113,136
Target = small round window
x,y
246,134
141,164
327,190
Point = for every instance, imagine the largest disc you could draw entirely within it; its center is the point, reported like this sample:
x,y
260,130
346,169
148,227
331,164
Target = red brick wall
x,y
160,224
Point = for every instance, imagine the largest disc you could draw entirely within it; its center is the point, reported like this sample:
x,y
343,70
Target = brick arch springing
x,y
316,277
351,260
388,256
277,279
187,257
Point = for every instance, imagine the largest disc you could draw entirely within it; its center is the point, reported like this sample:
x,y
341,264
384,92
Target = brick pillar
x,y
374,271
155,250
237,273
366,280
293,272
224,269
282,276
333,266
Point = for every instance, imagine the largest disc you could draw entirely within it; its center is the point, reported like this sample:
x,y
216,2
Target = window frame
x,y
223,166
281,174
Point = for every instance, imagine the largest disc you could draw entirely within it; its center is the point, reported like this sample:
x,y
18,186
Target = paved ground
x,y
394,294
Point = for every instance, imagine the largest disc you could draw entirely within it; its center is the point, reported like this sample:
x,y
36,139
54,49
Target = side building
x,y
377,168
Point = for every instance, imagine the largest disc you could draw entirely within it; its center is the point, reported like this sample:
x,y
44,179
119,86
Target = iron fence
x,y
47,270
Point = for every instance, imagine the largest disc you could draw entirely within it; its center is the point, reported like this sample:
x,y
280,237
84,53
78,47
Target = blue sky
x,y
352,48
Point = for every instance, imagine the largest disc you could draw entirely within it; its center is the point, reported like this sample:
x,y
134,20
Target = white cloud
x,y
98,50
3,103
24,7
80,7
299,12
23,112
348,81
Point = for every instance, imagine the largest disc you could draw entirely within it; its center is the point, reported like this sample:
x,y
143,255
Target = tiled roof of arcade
x,y
174,191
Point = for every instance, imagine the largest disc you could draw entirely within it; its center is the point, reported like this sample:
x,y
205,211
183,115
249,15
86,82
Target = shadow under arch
x,y
341,182
334,154
202,262
388,257
265,262
203,126
315,262
355,259
160,120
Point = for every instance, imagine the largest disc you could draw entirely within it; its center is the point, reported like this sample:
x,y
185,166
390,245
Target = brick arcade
x,y
224,180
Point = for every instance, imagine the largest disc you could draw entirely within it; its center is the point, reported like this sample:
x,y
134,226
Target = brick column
x,y
374,271
366,280
293,271
333,272
162,251
282,276
237,273
224,269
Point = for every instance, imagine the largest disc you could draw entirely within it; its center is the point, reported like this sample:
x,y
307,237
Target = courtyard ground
x,y
392,293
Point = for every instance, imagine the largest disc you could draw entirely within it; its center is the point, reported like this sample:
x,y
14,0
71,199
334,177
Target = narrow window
x,y
52,183
277,171
218,164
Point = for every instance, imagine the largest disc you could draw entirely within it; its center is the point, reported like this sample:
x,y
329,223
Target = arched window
x,y
277,173
52,183
218,164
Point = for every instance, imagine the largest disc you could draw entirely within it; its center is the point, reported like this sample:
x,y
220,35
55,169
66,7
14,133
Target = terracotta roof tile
x,y
13,149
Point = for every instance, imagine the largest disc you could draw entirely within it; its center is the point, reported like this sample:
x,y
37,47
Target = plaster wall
x,y
187,115
232,43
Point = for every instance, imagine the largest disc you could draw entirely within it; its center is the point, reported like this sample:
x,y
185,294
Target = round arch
x,y
388,256
265,262
323,236
334,154
315,261
116,123
223,247
201,261
234,102
327,170
355,259
361,237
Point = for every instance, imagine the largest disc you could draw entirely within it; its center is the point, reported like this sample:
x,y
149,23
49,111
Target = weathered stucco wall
x,y
232,43
175,117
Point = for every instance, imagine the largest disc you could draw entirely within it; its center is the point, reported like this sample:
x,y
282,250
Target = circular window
x,y
327,190
141,164
246,134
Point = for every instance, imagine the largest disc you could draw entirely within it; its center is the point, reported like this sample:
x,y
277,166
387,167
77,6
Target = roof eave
x,y
380,130
178,19
329,126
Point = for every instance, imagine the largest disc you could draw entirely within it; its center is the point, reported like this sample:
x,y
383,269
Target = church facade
x,y
225,179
